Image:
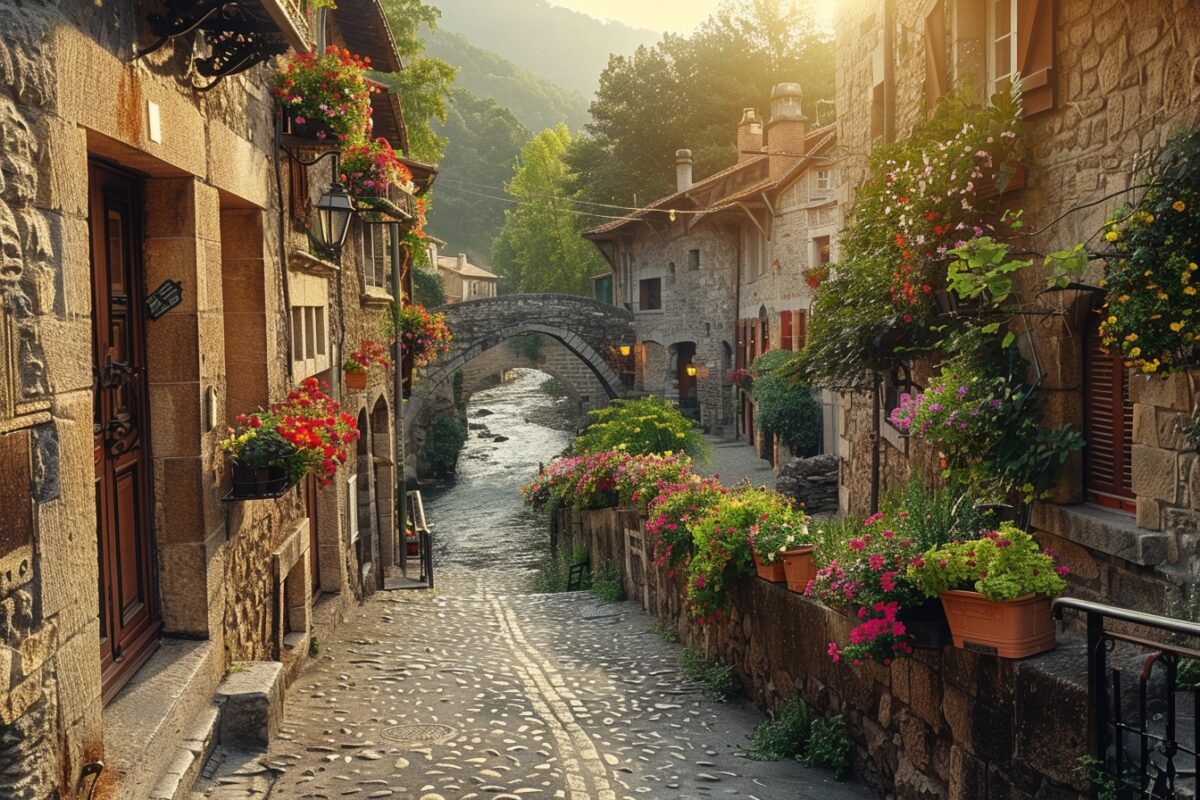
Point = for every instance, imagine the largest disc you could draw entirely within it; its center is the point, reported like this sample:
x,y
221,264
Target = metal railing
x,y
1143,744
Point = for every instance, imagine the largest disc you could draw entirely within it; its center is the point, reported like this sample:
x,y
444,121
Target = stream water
x,y
478,520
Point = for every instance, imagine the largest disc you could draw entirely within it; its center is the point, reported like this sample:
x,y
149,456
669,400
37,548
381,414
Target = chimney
x,y
787,128
683,170
462,261
749,136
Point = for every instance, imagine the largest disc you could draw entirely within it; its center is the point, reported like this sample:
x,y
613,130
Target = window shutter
x,y
785,330
936,77
801,329
741,344
1035,54
764,337
1108,428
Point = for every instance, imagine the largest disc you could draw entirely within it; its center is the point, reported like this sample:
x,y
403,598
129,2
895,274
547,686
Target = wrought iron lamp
x,y
335,209
690,369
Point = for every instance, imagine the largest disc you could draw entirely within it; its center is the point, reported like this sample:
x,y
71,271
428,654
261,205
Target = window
x,y
754,253
310,340
650,294
820,251
693,259
1002,44
377,256
822,183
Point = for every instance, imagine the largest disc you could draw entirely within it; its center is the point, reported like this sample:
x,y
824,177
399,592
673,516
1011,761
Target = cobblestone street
x,y
479,689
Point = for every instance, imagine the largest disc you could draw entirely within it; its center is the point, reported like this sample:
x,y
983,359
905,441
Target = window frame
x,y
992,39
650,289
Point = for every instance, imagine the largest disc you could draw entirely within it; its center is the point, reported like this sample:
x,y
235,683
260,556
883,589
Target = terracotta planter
x,y
772,572
356,380
249,483
1010,629
800,567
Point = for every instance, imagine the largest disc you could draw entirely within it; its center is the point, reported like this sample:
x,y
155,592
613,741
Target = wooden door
x,y
311,490
129,614
1108,426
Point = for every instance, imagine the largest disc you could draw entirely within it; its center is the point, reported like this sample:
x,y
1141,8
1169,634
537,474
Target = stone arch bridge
x,y
588,329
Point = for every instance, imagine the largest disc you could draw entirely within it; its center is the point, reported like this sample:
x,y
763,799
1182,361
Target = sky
x,y
677,16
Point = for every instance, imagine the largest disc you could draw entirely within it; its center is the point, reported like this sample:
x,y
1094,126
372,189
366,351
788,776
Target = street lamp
x,y
690,369
625,346
334,210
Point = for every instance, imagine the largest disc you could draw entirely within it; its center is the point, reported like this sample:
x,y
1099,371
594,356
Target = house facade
x,y
1104,87
159,280
463,280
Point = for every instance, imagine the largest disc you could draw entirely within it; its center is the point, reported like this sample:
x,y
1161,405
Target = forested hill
x,y
536,101
564,46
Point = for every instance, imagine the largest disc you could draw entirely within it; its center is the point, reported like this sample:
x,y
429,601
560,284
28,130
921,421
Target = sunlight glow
x,y
676,16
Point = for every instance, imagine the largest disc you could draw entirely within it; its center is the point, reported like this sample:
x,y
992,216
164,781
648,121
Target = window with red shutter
x,y
800,329
785,330
1108,427
1035,54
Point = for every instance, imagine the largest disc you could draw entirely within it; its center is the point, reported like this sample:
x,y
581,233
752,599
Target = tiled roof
x,y
469,270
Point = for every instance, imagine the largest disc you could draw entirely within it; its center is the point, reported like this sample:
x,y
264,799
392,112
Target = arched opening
x,y
684,373
363,519
385,480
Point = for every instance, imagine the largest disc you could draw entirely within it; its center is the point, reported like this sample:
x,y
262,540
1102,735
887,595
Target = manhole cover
x,y
596,612
419,734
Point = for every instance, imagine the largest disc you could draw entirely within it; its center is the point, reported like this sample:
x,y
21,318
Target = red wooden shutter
x,y
1108,427
740,346
800,337
1035,54
936,76
785,330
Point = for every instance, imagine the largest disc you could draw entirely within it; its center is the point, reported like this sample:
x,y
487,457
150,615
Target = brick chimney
x,y
683,170
787,128
749,136
462,261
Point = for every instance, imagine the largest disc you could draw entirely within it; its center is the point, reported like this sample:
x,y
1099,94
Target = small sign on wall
x,y
168,295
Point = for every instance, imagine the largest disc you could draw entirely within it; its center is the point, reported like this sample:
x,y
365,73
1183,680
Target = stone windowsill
x,y
1102,530
303,261
375,297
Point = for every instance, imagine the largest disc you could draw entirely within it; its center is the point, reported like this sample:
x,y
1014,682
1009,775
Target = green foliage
x,y
540,248
553,387
984,271
423,86
689,91
1003,565
427,287
1152,308
781,529
447,436
670,513
668,633
643,426
783,407
314,647
553,570
528,346
717,680
828,746
607,583
786,735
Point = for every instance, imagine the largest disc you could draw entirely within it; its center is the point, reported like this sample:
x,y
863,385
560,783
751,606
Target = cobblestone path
x,y
478,690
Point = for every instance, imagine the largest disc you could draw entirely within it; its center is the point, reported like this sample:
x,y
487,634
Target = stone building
x,y
134,176
1105,85
709,270
463,280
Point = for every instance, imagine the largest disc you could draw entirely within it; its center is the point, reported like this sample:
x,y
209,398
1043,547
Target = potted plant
x,y
356,365
741,378
783,549
996,591
326,97
272,450
815,276
369,170
422,334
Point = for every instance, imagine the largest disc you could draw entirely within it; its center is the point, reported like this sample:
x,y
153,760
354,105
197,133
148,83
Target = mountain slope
x,y
564,46
537,102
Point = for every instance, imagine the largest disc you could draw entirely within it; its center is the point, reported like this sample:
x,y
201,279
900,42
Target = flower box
x,y
1010,629
772,571
356,381
250,483
799,567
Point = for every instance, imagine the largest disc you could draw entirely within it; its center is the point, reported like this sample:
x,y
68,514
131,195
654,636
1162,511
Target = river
x,y
478,520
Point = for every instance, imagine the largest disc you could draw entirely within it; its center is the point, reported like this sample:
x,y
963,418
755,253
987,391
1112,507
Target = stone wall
x,y
946,723
552,358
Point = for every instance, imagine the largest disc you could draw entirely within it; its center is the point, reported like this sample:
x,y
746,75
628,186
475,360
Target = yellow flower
x,y
1112,320
1162,296
1179,205
1112,236
1148,273
1189,290
1176,326
1148,218
1123,298
1150,366
1103,282
1134,352
1192,266
1131,337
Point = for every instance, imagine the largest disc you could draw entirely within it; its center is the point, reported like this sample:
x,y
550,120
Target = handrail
x,y
1179,626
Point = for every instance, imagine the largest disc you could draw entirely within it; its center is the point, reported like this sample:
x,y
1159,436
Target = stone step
x,y
251,702
183,772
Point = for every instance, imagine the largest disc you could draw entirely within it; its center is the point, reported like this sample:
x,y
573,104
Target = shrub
x,y
667,633
828,746
784,736
673,509
1001,565
447,435
427,286
716,680
784,408
641,427
607,583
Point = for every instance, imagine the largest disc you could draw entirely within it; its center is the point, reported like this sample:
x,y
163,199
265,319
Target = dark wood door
x,y
1108,426
311,491
129,615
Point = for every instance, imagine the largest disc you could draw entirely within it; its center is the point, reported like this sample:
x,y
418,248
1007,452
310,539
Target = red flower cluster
x,y
369,169
369,352
331,89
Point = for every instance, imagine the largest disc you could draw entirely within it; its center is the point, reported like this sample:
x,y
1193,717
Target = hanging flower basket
x,y
326,97
251,483
369,170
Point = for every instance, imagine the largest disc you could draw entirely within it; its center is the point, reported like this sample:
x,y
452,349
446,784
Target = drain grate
x,y
597,612
418,735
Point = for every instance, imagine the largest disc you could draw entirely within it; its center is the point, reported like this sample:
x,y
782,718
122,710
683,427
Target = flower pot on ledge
x,y
799,567
1010,629
356,381
249,483
770,571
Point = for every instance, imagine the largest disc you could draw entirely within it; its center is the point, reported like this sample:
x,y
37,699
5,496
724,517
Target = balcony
x,y
291,18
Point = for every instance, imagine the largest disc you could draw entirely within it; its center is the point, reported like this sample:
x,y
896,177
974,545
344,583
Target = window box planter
x,y
772,571
799,567
1010,629
356,381
249,483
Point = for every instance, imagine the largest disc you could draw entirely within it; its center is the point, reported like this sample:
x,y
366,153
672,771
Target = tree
x,y
689,92
423,86
539,248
